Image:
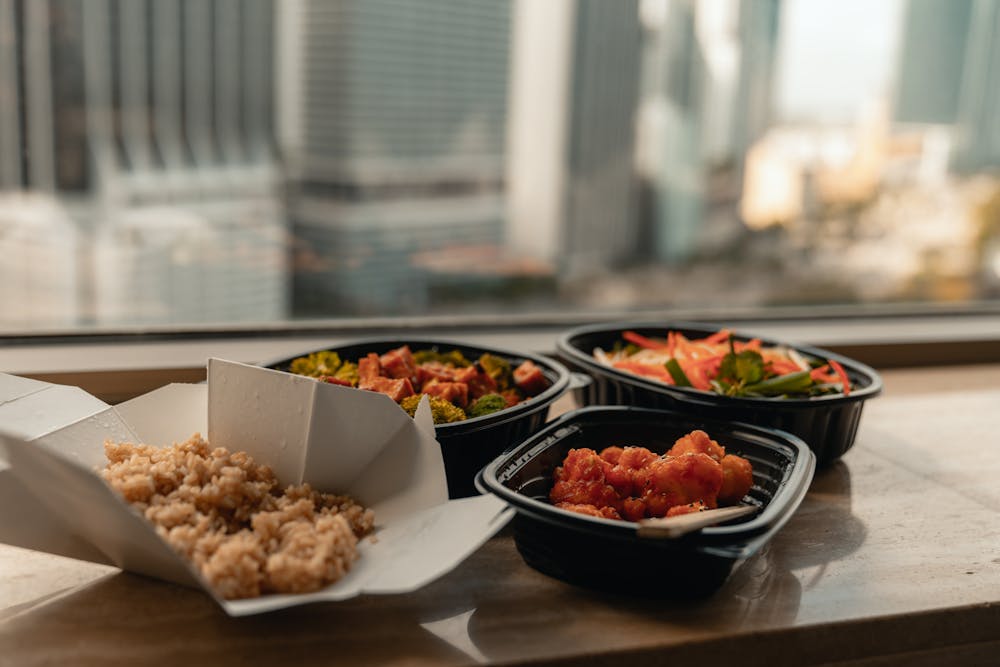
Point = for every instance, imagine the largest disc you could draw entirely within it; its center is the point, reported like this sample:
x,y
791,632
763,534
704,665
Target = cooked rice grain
x,y
227,514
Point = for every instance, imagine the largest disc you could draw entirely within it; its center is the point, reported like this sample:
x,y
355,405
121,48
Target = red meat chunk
x,y
395,388
529,378
399,363
511,396
453,392
369,368
430,370
479,382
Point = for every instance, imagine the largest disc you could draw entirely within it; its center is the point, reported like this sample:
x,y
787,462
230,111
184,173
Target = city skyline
x,y
191,162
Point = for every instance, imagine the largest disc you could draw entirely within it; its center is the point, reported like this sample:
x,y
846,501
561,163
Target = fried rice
x,y
229,516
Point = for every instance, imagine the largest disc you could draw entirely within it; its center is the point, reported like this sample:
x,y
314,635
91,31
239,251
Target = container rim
x,y
565,344
556,389
786,498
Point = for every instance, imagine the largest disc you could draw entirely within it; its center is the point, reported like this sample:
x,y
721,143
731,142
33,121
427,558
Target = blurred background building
x,y
570,176
401,153
185,162
137,154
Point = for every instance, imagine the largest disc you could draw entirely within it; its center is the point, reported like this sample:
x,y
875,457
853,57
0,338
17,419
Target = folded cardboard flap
x,y
338,439
26,523
13,387
405,556
100,517
31,408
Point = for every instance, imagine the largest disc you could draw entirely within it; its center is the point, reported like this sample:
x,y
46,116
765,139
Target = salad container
x,y
827,423
469,444
609,554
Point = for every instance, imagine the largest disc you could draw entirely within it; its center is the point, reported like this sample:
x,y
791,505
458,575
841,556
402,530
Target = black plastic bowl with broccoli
x,y
458,388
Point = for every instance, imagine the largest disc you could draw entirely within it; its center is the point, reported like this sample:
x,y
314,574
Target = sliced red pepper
x,y
819,374
720,336
842,374
784,366
707,360
753,344
699,378
646,370
642,341
709,366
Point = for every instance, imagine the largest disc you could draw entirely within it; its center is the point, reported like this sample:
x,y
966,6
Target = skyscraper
x,y
978,122
934,45
149,125
707,97
571,177
402,146
950,57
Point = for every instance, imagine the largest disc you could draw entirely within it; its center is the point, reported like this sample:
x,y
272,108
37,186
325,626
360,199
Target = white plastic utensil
x,y
675,526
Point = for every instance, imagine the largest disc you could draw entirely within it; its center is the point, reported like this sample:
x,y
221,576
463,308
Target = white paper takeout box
x,y
30,408
336,438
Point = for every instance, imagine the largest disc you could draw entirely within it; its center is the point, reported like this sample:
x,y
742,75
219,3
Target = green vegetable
x,y
442,411
789,383
744,368
497,368
317,364
487,404
348,371
738,370
455,358
677,373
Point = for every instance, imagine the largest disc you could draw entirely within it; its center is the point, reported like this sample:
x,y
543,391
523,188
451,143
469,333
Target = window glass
x,y
214,162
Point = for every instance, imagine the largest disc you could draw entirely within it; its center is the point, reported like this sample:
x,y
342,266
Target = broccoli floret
x,y
497,368
317,364
442,411
486,404
410,404
455,358
348,372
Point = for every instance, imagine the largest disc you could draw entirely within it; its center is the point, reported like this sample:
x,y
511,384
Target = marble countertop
x,y
894,556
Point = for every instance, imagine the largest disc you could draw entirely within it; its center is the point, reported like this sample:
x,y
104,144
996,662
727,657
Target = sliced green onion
x,y
677,373
782,384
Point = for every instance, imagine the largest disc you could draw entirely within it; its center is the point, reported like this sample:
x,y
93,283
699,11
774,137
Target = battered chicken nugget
x,y
590,510
581,481
634,483
737,479
624,464
697,442
679,480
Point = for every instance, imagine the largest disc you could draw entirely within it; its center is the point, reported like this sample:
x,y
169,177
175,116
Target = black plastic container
x,y
470,444
608,554
828,424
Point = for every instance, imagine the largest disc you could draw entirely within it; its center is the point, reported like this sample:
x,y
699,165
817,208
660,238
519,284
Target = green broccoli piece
x,y
410,403
455,358
497,368
486,404
317,364
348,372
442,411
